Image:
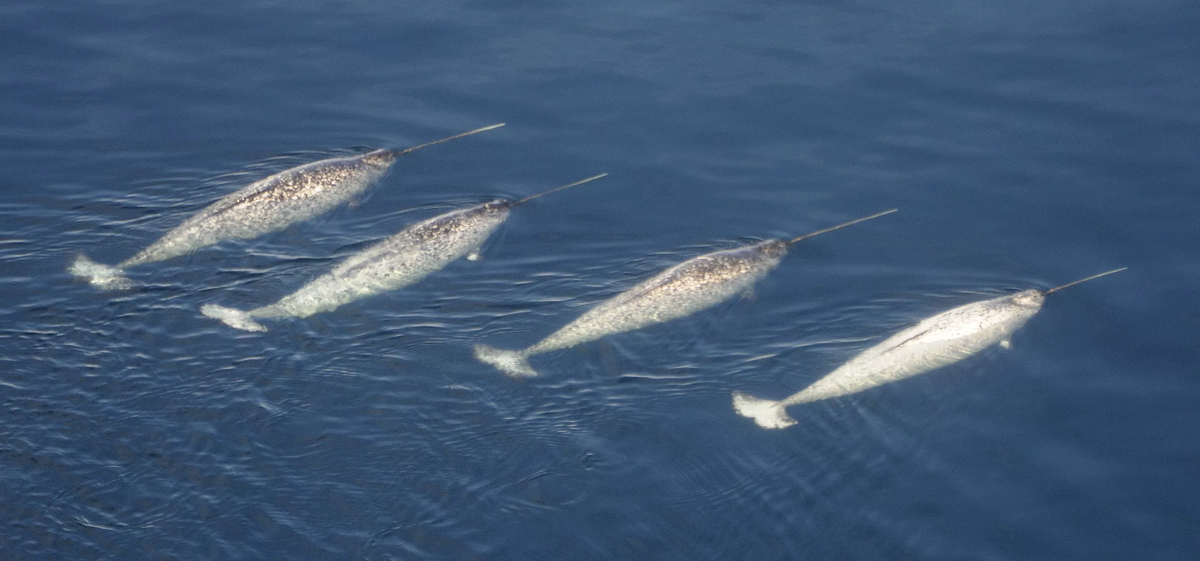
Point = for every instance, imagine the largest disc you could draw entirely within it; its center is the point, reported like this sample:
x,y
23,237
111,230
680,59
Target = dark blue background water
x,y
1026,143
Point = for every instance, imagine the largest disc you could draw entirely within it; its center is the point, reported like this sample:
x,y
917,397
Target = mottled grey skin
x,y
396,262
938,341
271,204
267,205
682,290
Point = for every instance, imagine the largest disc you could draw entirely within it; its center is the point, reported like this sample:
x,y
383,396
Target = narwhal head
x,y
1031,299
382,158
1008,313
759,257
498,206
487,216
772,249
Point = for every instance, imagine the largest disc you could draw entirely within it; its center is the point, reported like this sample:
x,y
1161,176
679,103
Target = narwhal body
x,y
267,205
396,262
938,341
684,289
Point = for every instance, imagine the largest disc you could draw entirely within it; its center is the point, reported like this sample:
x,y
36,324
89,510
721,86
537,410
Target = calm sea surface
x,y
1025,143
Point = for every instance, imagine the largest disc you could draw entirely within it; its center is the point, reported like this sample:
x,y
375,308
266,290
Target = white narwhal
x,y
935,342
396,262
686,288
267,205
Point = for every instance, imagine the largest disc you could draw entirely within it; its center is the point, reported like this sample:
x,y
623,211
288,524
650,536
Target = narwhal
x,y
267,205
396,262
935,342
696,284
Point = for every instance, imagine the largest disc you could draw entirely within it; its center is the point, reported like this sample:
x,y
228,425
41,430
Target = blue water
x,y
1026,144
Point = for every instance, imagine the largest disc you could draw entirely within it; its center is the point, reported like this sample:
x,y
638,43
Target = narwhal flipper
x,y
237,319
512,363
768,414
104,277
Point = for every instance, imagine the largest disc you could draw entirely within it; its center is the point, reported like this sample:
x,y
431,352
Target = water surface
x,y
1026,144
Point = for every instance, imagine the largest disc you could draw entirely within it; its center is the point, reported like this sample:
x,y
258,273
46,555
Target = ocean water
x,y
1026,144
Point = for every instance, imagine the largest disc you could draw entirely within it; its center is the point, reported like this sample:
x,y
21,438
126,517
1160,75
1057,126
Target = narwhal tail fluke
x,y
511,363
768,414
104,277
237,319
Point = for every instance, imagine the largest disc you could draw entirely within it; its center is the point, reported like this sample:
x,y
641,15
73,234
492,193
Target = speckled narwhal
x,y
396,262
267,205
938,341
696,284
